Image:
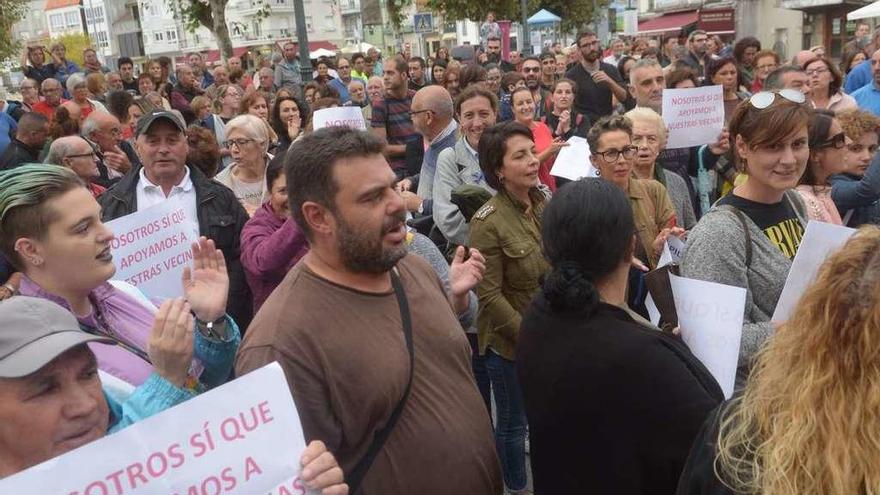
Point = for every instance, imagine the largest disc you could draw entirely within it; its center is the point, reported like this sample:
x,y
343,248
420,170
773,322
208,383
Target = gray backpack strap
x,y
745,225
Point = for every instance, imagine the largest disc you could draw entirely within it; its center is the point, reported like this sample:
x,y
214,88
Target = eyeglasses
x,y
81,155
836,141
612,156
816,72
531,69
416,112
238,143
767,67
764,99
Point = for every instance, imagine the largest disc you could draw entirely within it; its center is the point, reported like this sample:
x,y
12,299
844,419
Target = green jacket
x,y
509,238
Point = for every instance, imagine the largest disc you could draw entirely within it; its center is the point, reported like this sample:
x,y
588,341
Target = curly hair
x,y
856,123
808,419
606,125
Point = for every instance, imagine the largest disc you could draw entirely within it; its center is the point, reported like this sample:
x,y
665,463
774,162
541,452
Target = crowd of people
x,y
452,316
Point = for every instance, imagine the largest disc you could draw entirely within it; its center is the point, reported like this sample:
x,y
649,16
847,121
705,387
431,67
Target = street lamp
x,y
302,34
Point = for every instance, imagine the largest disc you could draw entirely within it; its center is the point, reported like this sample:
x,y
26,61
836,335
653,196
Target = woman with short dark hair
x,y
613,403
507,231
825,86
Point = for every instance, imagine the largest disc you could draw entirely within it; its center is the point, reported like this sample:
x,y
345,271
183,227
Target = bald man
x,y
432,116
104,130
802,57
33,128
52,98
77,154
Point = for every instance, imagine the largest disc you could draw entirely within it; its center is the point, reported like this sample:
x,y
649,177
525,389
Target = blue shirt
x,y
859,77
342,88
868,98
8,126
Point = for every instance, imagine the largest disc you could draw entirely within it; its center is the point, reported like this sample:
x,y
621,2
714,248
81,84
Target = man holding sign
x,y
378,364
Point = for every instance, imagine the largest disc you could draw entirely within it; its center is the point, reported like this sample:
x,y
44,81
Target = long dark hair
x,y
280,127
818,131
587,232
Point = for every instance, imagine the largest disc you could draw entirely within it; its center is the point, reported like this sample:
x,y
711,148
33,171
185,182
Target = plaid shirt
x,y
392,114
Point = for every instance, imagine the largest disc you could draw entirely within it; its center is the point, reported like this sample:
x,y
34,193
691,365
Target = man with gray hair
x,y
646,84
432,116
114,154
77,154
184,91
788,77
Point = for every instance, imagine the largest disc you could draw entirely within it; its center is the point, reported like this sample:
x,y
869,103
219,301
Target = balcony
x,y
349,7
674,5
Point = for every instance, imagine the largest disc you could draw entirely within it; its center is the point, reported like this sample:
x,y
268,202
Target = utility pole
x,y
302,34
526,45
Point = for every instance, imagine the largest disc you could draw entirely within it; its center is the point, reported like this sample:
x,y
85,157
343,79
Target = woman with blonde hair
x,y
248,138
807,420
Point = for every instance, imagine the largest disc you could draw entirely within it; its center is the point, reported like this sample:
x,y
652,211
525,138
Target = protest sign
x,y
819,240
573,161
710,317
241,438
339,117
151,247
693,116
673,248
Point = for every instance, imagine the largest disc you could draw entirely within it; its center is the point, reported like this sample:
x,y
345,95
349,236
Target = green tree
x,y
212,15
13,11
74,44
575,14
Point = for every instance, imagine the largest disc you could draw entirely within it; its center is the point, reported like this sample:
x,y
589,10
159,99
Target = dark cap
x,y
147,120
34,332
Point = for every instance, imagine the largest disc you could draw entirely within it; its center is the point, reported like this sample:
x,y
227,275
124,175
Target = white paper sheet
x,y
820,240
351,117
710,316
573,161
693,116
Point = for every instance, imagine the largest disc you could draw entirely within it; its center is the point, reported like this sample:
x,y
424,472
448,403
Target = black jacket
x,y
221,218
17,154
613,406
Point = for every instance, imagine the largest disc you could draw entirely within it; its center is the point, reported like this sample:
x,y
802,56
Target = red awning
x,y
214,55
668,22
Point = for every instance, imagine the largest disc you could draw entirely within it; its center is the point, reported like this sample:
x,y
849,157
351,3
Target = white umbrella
x,y
362,47
321,52
872,10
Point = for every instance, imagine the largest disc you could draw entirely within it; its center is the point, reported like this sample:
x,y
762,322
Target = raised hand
x,y
170,346
206,285
465,275
293,128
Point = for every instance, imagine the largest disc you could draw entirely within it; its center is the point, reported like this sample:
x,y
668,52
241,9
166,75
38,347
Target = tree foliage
x,y
212,15
13,11
575,14
74,44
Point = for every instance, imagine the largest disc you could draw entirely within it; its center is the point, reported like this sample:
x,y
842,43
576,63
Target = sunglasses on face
x,y
836,141
764,99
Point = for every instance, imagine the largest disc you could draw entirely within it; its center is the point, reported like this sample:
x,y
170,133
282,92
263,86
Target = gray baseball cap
x,y
147,120
35,331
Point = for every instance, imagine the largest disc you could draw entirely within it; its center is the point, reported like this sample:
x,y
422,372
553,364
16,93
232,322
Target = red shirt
x,y
543,137
46,109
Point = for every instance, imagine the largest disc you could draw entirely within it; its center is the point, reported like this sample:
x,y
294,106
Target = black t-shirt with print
x,y
778,221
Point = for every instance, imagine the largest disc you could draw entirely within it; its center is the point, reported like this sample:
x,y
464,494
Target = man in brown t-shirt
x,y
335,326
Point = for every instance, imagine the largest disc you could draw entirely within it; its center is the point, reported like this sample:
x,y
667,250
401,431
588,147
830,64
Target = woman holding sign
x,y
51,230
807,420
750,237
583,357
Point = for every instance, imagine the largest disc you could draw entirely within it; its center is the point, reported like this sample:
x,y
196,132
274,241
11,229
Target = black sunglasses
x,y
836,141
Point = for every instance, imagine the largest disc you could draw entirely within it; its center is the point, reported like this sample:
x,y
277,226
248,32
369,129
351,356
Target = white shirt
x,y
149,194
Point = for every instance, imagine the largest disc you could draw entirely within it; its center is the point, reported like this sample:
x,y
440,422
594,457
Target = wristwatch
x,y
421,208
214,329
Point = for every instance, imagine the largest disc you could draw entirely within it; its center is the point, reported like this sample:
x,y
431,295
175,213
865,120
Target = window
x,y
171,35
102,40
258,29
280,2
285,32
99,13
56,22
72,19
309,23
159,36
329,23
94,15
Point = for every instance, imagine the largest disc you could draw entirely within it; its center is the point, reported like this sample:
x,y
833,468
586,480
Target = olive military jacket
x,y
652,212
508,234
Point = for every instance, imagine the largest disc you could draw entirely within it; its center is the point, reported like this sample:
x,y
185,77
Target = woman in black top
x,y
613,404
563,119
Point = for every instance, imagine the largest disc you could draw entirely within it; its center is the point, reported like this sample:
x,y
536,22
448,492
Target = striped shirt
x,y
393,115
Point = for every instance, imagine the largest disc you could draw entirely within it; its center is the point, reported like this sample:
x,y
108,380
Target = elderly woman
x,y
248,139
51,230
271,241
826,86
79,94
97,85
766,61
649,136
507,231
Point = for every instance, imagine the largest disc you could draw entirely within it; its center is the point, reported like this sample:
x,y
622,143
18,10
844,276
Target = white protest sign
x,y
693,116
351,117
819,240
710,316
152,247
241,438
573,161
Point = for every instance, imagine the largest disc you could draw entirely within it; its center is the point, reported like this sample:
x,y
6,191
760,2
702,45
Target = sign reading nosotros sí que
x,y
351,117
241,438
151,247
693,116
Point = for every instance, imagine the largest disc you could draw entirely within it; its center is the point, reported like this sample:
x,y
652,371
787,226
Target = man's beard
x,y
592,56
362,252
533,83
494,57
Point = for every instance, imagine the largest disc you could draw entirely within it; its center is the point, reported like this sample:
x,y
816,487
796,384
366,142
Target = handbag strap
x,y
360,470
745,225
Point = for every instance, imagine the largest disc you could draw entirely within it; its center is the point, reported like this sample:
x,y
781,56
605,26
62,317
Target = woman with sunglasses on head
x,y
807,420
855,191
827,157
825,86
750,237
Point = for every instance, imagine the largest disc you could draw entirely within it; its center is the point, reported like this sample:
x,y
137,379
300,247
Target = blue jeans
x,y
510,430
478,363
